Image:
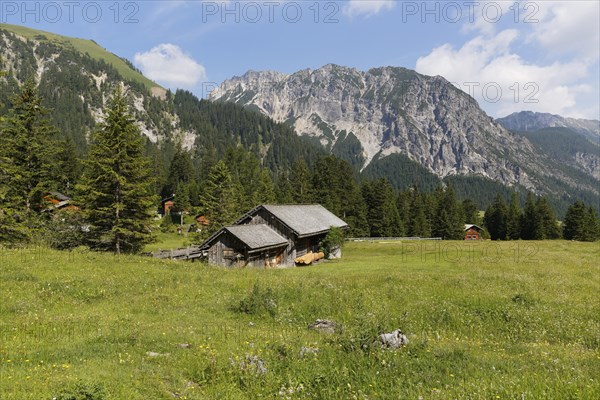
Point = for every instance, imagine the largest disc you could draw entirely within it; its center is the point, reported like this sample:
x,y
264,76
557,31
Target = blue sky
x,y
510,55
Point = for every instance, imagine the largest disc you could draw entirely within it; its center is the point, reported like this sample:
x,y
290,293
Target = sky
x,y
510,55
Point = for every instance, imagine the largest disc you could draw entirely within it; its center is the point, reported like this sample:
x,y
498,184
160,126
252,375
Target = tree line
x,y
117,186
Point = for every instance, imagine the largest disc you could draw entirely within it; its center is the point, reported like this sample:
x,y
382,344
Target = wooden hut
x,y
271,235
472,232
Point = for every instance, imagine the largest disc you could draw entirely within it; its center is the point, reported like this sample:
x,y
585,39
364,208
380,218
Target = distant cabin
x,y
271,236
202,220
59,202
165,205
472,232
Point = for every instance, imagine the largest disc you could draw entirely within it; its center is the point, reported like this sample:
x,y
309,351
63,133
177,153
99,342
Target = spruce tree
x,y
581,223
531,223
264,192
448,217
403,206
382,212
513,218
284,190
11,231
69,167
300,179
470,212
495,219
27,141
219,199
547,219
181,170
419,224
592,225
116,187
182,201
574,222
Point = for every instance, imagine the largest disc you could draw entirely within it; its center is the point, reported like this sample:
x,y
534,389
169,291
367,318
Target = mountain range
x,y
368,116
387,122
529,121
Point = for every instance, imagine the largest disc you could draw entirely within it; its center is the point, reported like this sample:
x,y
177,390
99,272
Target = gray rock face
x,y
393,110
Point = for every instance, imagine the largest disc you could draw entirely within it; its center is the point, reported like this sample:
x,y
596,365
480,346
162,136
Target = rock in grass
x,y
393,340
184,346
251,364
324,325
155,354
304,351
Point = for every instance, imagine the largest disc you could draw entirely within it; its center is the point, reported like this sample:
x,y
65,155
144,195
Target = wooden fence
x,y
382,239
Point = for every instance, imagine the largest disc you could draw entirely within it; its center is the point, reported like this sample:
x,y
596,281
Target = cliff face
x,y
390,110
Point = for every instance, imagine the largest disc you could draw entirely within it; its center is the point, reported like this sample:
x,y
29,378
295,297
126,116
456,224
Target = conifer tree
x,y
182,201
547,220
470,212
219,198
419,224
495,219
68,167
334,186
403,206
531,223
116,187
27,141
513,218
581,223
284,190
300,179
592,224
383,217
181,170
448,217
10,229
264,192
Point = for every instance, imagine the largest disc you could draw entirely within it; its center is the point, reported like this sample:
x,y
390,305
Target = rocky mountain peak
x,y
364,116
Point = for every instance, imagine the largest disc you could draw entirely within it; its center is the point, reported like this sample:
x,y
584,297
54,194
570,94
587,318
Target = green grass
x,y
84,46
485,321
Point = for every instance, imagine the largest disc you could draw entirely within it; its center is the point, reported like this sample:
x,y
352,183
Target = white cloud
x,y
168,64
524,86
551,52
367,8
486,15
571,27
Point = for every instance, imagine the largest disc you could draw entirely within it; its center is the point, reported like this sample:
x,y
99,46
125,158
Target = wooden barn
x,y
472,232
271,236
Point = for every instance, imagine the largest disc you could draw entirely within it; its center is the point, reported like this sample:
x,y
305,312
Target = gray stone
x,y
252,364
393,340
324,325
304,351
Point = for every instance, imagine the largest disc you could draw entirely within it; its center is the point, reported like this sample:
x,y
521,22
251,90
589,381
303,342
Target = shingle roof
x,y
305,219
257,236
59,196
469,226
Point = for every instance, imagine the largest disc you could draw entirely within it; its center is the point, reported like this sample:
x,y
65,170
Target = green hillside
x,y
83,46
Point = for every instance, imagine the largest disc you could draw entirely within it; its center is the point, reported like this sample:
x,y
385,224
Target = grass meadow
x,y
512,320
